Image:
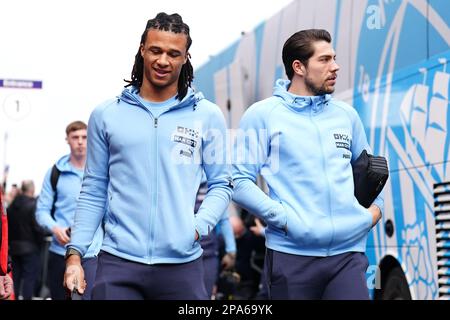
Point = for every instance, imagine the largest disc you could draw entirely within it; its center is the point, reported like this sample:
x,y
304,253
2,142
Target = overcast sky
x,y
82,50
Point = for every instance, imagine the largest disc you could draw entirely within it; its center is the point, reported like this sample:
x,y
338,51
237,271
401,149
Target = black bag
x,y
370,174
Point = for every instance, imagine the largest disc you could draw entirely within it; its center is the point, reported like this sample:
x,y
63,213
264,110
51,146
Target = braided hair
x,y
172,23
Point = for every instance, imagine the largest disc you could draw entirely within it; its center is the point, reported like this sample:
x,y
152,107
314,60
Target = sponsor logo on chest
x,y
188,140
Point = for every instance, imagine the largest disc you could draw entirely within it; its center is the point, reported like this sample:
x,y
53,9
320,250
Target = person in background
x,y
147,151
56,210
6,282
11,194
316,229
210,245
250,254
25,241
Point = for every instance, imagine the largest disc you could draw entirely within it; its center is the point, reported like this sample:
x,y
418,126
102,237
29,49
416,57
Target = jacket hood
x,y
63,164
130,95
297,102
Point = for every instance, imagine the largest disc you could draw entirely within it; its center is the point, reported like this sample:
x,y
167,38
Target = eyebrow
x,y
170,50
327,56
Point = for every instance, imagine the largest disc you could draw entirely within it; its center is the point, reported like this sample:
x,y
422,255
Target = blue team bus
x,y
394,57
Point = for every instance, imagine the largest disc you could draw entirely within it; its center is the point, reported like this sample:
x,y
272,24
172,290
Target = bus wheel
x,y
395,286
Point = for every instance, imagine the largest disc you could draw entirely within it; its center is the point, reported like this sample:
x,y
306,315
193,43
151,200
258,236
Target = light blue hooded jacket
x,y
68,189
142,174
305,149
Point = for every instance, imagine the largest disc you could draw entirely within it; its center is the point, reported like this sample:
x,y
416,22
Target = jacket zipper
x,y
154,163
154,187
154,207
328,183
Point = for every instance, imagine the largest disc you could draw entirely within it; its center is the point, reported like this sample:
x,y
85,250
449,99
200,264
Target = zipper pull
x,y
156,122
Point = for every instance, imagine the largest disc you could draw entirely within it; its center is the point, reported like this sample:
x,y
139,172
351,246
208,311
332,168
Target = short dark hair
x,y
173,23
74,126
300,47
27,185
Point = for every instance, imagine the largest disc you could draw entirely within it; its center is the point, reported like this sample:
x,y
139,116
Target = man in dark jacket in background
x,y
25,240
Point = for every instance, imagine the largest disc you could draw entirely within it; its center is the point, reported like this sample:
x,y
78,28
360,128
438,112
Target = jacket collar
x,y
130,96
299,103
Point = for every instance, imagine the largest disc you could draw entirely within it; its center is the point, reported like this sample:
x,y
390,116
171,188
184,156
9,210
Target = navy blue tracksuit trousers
x,y
339,277
121,279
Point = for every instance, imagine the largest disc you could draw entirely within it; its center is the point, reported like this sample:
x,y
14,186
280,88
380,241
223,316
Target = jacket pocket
x,y
284,220
111,221
307,229
277,218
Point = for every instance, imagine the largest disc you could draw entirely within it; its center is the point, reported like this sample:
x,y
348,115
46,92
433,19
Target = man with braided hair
x,y
147,150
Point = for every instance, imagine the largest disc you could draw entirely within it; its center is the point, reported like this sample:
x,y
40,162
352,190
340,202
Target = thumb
x,y
82,287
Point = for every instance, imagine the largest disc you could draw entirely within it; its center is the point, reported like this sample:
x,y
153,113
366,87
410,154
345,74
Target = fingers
x,y
8,285
376,214
255,230
228,261
2,288
61,235
81,288
74,278
5,287
62,241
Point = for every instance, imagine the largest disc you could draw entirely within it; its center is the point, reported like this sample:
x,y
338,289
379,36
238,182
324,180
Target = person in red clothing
x,y
6,283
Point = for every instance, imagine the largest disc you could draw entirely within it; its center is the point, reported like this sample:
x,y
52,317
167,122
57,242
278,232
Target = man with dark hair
x,y
147,150
317,230
56,210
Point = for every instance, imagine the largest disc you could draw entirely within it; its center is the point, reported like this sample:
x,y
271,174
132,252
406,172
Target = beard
x,y
317,91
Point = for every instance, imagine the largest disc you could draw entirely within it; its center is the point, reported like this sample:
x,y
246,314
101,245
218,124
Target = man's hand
x,y
6,287
258,228
376,214
229,260
74,275
61,235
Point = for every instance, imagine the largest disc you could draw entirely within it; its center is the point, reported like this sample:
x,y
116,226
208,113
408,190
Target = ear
x,y
141,49
187,56
298,67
